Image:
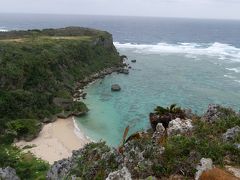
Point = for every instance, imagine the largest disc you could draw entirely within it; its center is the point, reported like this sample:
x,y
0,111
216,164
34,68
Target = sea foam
x,y
2,29
219,50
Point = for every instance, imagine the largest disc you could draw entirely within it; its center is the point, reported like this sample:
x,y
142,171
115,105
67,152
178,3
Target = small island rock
x,y
115,87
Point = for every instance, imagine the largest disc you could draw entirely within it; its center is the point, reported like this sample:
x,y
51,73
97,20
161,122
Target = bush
x,y
24,128
26,165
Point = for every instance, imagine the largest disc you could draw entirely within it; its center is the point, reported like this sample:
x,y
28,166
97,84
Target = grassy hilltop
x,y
38,73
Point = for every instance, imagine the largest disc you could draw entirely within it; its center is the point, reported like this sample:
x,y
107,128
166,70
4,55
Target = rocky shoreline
x,y
79,93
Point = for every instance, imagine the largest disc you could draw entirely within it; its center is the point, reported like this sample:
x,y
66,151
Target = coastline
x,y
56,141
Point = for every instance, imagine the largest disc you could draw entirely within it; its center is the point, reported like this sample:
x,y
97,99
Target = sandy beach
x,y
56,141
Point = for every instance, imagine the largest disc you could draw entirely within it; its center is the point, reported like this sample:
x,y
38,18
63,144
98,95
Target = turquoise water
x,y
190,75
204,70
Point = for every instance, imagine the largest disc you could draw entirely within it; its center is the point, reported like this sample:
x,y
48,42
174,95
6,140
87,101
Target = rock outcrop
x,y
179,126
122,174
205,164
59,169
158,135
215,112
8,173
231,133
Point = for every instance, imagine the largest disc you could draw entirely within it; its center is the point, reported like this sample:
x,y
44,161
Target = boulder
x,y
122,174
115,87
8,173
231,133
205,164
179,126
134,60
123,71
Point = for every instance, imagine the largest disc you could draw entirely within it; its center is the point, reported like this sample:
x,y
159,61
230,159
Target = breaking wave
x,y
220,50
2,29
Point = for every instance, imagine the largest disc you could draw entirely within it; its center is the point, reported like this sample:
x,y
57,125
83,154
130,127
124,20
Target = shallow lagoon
x,y
190,79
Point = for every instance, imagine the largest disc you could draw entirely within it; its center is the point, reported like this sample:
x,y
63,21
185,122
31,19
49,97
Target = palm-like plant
x,y
173,111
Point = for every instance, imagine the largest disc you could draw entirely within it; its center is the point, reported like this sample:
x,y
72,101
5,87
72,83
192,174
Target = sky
x,y
214,9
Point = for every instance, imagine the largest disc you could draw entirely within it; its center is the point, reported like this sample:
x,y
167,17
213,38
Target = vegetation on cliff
x,y
176,155
39,70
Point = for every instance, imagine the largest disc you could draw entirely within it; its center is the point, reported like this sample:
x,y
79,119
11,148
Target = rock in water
x,y
179,126
115,87
122,174
205,164
134,60
8,173
123,71
231,133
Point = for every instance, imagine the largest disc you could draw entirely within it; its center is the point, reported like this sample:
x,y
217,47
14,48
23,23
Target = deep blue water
x,y
136,29
185,61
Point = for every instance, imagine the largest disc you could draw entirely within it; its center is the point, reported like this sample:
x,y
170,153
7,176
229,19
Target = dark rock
x,y
115,87
84,95
8,173
50,119
231,134
123,71
64,115
134,60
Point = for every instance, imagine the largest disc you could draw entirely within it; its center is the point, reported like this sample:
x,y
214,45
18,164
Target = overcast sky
x,y
220,9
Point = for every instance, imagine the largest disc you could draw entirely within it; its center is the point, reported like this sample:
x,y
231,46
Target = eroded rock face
x,y
216,112
205,164
179,126
122,174
231,133
8,173
59,169
159,133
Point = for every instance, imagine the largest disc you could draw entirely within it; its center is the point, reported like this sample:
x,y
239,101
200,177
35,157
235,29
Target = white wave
x,y
222,51
79,133
236,70
237,81
228,76
2,29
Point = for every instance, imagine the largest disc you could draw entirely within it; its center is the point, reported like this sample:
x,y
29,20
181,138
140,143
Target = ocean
x,y
190,62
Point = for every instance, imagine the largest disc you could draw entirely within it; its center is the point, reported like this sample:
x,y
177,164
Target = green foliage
x,y
25,164
173,110
36,67
79,107
39,65
24,128
182,153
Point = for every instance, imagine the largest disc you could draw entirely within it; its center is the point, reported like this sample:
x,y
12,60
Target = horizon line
x,y
110,15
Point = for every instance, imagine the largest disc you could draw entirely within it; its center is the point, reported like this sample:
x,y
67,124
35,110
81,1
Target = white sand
x,y
56,141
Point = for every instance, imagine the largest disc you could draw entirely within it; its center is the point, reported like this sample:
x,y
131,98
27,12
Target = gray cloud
x,y
224,9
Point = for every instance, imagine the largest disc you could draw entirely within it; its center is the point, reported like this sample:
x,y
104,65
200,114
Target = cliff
x,y
39,72
180,145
